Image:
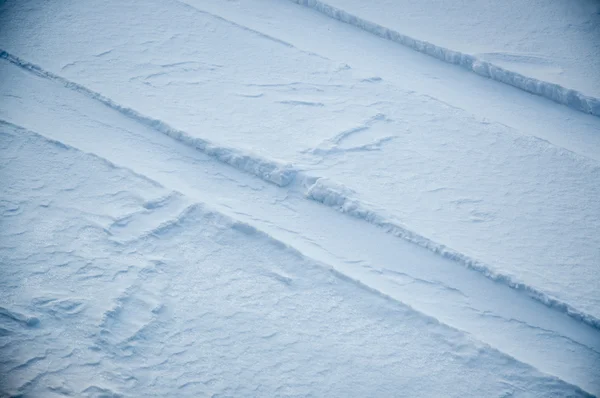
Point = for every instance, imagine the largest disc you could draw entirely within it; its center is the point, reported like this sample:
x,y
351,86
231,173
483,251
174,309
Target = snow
x,y
268,170
169,224
182,312
542,47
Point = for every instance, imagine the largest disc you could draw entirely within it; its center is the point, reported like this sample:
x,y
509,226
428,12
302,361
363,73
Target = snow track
x,y
158,294
471,302
554,92
338,197
209,202
315,188
268,170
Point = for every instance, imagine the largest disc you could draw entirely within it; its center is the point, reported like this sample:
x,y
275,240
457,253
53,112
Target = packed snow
x,y
200,199
539,48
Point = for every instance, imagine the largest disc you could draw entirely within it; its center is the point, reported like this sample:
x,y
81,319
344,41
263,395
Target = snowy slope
x,y
211,188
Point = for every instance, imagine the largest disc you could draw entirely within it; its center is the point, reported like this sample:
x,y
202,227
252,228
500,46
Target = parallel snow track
x,y
113,337
269,170
555,92
318,189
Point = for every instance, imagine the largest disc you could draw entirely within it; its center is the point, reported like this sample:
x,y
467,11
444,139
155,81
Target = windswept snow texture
x,y
198,304
198,198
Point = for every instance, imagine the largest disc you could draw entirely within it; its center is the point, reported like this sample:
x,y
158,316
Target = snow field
x,y
202,198
245,341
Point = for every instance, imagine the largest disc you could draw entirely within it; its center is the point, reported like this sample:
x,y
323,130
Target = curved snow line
x,y
318,189
341,198
555,92
268,170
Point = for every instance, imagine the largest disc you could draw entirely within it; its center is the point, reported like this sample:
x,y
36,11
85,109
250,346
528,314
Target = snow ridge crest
x,y
341,198
554,92
272,171
318,189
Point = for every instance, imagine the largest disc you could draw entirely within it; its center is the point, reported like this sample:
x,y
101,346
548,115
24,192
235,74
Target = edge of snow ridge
x,y
272,171
342,199
206,211
552,91
318,189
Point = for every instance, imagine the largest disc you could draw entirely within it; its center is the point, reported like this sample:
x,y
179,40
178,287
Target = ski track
x,y
554,92
318,189
269,170
163,200
138,307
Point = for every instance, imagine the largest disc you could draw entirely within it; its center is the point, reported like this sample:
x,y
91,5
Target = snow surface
x,y
170,181
542,46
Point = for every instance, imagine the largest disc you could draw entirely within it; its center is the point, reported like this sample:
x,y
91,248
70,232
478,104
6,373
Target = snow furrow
x,y
162,314
220,18
69,147
343,199
253,225
555,92
271,171
321,190
179,222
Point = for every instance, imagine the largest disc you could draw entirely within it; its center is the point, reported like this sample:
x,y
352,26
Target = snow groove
x,y
138,308
315,188
268,170
555,92
343,199
116,329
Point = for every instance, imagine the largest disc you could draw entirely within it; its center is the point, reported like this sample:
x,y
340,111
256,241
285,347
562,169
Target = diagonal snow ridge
x,y
138,309
572,98
71,148
315,188
148,312
135,310
343,199
272,171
